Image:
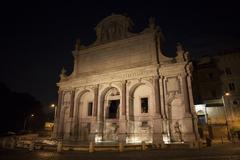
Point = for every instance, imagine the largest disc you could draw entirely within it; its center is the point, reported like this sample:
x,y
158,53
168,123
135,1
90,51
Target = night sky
x,y
37,37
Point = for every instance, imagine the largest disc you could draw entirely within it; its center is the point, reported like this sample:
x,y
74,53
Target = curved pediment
x,y
112,28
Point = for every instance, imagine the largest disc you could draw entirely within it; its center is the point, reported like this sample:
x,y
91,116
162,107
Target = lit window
x,y
228,71
231,86
144,105
90,106
201,119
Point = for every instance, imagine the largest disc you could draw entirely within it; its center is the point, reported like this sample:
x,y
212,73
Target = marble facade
x,y
123,88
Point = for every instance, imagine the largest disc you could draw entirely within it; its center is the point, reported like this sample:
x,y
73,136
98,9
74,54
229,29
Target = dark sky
x,y
37,37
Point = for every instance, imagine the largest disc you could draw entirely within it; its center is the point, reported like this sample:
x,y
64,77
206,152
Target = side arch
x,y
131,96
82,122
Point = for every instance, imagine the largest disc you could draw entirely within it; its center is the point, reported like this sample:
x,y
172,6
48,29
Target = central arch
x,y
109,114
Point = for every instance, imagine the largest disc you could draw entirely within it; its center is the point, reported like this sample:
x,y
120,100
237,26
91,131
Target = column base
x,y
122,137
92,137
158,140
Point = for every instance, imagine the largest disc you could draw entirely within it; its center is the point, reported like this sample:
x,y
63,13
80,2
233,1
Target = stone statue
x,y
151,21
63,74
78,45
178,132
182,55
179,47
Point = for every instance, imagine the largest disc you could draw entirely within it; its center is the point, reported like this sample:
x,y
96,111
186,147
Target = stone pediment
x,y
114,27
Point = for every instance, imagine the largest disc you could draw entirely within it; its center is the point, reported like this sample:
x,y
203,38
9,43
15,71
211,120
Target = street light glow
x,y
227,94
32,115
53,105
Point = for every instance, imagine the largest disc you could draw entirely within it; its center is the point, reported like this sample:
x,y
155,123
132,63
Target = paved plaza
x,y
219,152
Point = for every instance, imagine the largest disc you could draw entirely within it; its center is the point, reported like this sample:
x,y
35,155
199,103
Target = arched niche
x,y
140,97
112,103
83,112
85,104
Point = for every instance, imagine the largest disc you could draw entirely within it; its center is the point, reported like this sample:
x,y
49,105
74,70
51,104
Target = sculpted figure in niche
x,y
151,22
113,28
178,132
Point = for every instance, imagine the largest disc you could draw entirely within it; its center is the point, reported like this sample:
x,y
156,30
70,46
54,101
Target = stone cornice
x,y
135,73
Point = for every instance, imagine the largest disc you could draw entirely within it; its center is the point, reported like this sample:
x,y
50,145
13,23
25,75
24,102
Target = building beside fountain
x,y
124,89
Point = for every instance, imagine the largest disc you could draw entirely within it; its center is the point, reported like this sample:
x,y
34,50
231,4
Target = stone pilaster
x,y
157,131
72,103
124,98
185,95
163,93
95,110
122,118
72,122
157,96
157,120
190,133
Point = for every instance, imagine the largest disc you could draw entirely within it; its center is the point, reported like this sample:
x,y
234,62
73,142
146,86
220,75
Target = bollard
x,y
143,145
121,146
194,145
31,146
91,147
158,146
12,144
163,145
59,147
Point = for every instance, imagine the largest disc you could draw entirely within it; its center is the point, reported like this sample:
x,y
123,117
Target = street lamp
x,y
54,119
26,120
55,111
225,114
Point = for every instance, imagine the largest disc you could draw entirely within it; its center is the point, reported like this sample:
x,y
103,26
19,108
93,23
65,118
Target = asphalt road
x,y
218,152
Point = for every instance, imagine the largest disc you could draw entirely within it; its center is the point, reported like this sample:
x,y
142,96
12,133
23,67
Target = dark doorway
x,y
113,109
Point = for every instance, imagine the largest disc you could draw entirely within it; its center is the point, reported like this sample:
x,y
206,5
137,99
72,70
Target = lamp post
x,y
55,111
225,114
54,120
26,120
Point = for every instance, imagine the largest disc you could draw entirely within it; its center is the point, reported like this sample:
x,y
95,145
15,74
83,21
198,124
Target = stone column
x,y
94,116
162,97
72,103
185,95
157,120
76,118
122,118
95,101
157,96
189,123
191,105
72,124
164,109
124,98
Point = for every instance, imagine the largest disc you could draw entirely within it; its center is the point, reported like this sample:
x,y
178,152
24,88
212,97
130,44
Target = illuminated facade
x,y
124,89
